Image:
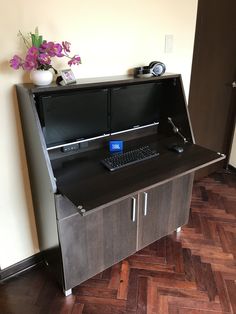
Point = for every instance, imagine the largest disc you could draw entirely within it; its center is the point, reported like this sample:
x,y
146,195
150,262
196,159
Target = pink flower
x,y
44,58
58,50
30,64
53,50
44,46
66,46
33,51
40,54
75,60
16,62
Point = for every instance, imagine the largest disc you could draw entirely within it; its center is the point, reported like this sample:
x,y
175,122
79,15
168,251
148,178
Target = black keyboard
x,y
120,160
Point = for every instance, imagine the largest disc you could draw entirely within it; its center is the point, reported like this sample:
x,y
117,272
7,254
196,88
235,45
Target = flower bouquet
x,y
40,53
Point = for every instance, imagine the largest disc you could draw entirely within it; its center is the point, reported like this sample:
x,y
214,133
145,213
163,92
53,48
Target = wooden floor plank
x,y
142,295
124,281
231,287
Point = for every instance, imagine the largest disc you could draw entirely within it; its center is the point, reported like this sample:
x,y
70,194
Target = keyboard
x,y
120,160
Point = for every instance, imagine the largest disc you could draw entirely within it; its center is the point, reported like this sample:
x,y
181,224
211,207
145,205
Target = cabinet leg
x,y
178,229
67,292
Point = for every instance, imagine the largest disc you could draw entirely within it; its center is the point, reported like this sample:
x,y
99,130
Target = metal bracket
x,y
81,209
67,292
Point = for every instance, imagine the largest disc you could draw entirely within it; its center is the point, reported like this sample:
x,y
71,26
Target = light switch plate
x,y
169,39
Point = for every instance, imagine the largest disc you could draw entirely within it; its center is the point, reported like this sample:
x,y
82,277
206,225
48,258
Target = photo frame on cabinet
x,y
68,76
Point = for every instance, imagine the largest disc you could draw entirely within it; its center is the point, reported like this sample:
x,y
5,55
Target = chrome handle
x,y
145,203
133,209
234,84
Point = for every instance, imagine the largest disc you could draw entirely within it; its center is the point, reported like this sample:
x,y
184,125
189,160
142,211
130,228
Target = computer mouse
x,y
177,148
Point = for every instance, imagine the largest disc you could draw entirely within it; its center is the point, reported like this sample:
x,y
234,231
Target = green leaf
x,y
36,40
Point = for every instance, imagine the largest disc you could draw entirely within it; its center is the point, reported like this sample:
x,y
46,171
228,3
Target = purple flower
x,y
53,50
40,54
44,46
16,62
66,46
29,65
44,58
58,50
32,51
75,60
30,62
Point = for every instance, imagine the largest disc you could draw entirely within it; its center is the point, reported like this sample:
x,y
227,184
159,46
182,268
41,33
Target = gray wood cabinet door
x,y
163,209
92,243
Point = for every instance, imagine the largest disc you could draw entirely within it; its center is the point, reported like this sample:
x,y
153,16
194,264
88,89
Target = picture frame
x,y
68,76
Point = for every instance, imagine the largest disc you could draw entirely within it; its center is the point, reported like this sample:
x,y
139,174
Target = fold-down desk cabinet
x,y
89,218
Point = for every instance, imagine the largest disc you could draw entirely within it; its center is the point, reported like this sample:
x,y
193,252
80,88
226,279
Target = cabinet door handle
x,y
133,209
145,203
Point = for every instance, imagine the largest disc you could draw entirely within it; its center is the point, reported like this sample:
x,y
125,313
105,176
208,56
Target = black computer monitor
x,y
135,106
74,116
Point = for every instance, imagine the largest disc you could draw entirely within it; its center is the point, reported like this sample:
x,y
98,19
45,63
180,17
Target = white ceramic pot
x,y
41,77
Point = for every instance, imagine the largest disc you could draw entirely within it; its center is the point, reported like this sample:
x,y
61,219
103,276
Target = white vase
x,y
41,77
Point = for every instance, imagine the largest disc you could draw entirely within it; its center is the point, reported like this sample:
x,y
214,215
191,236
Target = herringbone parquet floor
x,y
192,272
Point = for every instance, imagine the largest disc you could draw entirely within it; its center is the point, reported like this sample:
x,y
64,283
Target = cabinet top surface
x,y
94,82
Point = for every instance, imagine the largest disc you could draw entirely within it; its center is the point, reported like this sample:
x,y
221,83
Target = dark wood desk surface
x,y
85,181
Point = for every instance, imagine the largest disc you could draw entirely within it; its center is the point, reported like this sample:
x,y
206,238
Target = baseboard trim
x,y
21,266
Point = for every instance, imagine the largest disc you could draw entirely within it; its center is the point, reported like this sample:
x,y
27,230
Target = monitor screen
x,y
74,116
135,106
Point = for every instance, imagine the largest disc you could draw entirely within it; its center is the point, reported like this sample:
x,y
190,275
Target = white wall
x,y
111,36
